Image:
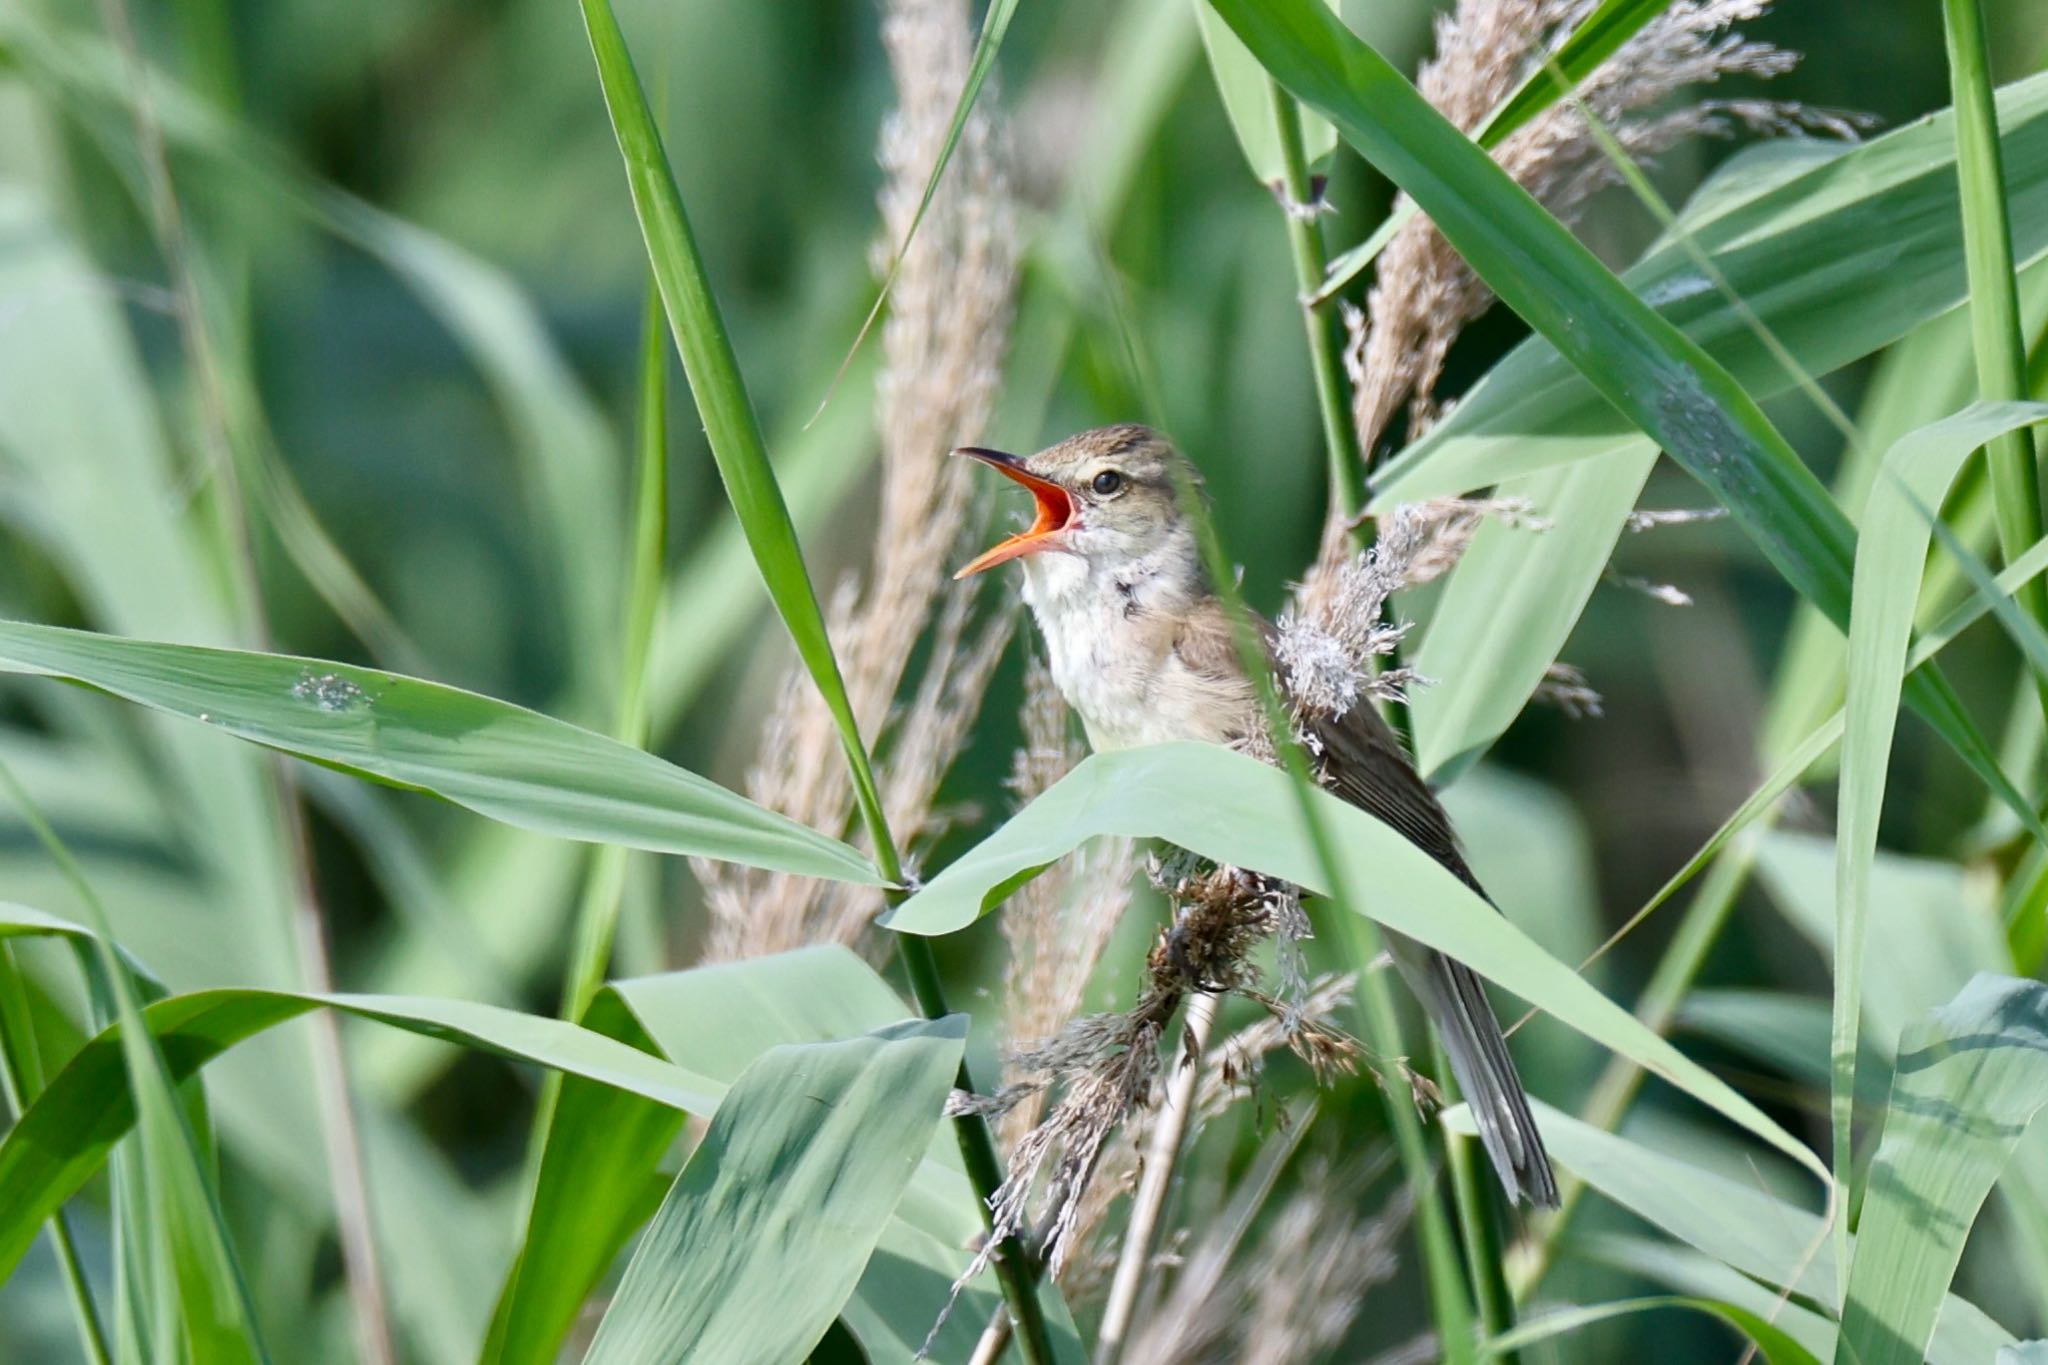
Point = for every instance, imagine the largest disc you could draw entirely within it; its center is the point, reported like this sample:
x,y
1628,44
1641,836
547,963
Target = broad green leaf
x,y
1916,473
1732,1221
603,1148
1967,1082
1247,97
65,1135
494,758
719,1019
1236,810
1773,1343
771,1222
1839,260
1660,379
1509,605
596,1185
722,401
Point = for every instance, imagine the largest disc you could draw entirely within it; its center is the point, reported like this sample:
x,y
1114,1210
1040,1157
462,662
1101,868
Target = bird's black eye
x,y
1107,482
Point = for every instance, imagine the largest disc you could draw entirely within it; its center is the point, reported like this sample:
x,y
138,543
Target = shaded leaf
x,y
768,1227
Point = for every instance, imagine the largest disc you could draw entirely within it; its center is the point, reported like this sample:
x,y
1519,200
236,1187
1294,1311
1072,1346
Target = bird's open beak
x,y
1055,510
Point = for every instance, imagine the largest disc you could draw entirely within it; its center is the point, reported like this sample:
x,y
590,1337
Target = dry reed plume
x,y
942,350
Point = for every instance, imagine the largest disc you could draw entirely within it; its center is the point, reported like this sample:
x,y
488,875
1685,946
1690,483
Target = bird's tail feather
x,y
1456,1003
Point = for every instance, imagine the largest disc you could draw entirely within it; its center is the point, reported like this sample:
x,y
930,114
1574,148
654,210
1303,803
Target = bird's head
x,y
1111,495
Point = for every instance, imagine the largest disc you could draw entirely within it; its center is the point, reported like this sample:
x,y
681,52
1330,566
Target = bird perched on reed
x,y
1141,647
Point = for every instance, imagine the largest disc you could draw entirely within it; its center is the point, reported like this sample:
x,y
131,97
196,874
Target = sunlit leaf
x,y
497,759
1967,1082
1236,810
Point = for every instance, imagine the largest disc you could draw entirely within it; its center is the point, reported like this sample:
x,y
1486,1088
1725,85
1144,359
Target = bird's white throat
x,y
1109,636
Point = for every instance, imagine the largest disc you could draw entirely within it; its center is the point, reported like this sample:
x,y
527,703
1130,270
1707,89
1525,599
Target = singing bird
x,y
1140,645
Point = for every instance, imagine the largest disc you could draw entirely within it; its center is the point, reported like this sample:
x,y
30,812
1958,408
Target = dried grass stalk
x,y
1288,1297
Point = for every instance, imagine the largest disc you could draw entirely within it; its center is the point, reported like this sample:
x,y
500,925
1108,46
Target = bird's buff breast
x,y
1116,666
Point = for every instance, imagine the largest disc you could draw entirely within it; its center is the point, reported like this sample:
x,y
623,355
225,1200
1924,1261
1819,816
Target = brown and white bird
x,y
1140,645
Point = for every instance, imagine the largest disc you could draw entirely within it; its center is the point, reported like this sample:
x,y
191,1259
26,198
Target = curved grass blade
x,y
494,758
1968,1081
767,1229
728,413
2000,343
1890,558
25,921
1236,810
1773,1343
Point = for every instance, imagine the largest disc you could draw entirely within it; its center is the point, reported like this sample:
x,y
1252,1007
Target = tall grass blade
x,y
2000,343
597,915
767,1229
735,436
722,401
1890,556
